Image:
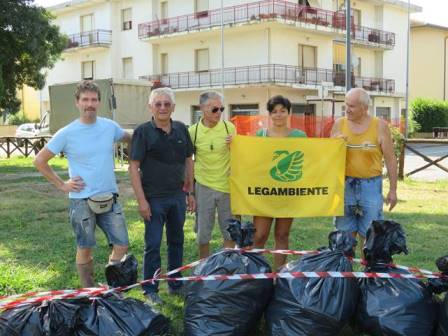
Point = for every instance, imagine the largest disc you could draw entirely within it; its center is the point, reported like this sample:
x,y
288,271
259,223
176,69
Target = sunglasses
x,y
216,109
164,104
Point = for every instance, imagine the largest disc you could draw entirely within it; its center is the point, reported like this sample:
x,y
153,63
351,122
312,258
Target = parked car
x,y
29,130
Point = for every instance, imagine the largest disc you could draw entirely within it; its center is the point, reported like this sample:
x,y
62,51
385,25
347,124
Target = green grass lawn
x,y
37,244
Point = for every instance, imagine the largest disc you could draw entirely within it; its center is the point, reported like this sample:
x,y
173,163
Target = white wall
x,y
126,43
285,43
70,22
367,61
394,61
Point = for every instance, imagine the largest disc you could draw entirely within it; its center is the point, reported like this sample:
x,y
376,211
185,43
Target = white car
x,y
29,130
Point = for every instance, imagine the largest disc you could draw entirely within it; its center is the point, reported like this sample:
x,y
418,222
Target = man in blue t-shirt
x,y
88,144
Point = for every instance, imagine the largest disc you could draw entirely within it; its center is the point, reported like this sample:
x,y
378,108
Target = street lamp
x,y
348,46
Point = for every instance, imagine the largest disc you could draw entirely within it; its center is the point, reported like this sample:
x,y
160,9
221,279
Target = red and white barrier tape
x,y
35,297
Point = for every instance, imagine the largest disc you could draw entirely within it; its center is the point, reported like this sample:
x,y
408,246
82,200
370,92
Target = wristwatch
x,y
189,193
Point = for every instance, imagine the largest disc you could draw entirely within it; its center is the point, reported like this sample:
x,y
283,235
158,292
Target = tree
x,y
29,44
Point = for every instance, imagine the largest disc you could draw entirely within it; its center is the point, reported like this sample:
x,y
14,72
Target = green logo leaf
x,y
289,167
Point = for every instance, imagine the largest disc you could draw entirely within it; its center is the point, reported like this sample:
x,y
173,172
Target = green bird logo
x,y
289,167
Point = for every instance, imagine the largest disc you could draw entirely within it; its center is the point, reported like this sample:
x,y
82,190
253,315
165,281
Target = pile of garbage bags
x,y
229,307
84,317
317,306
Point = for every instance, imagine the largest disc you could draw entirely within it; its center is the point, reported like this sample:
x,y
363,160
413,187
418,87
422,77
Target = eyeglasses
x,y
164,104
216,109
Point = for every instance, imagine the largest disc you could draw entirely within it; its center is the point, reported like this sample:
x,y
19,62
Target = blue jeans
x,y
84,222
172,212
363,203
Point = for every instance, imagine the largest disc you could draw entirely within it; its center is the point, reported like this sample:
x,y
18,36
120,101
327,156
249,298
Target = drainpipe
x,y
222,51
444,68
406,125
348,46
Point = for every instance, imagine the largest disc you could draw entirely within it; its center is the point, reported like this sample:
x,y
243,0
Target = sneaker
x,y
153,298
178,291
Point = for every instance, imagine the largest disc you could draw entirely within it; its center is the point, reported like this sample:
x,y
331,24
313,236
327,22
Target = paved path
x,y
432,173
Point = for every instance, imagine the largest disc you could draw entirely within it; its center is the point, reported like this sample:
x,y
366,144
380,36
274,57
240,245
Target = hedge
x,y
429,113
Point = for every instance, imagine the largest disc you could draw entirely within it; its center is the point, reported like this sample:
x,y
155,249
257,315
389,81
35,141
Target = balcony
x,y
93,38
272,74
268,10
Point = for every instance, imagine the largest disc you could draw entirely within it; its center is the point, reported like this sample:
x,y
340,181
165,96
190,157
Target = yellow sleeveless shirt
x,y
364,155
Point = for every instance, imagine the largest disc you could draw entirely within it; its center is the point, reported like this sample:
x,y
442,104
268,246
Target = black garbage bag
x,y
61,318
84,317
439,286
123,273
442,329
384,239
392,306
50,319
229,307
241,233
315,306
112,316
23,321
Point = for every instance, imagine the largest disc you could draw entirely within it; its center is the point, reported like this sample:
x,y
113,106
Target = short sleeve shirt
x,y
295,133
212,156
162,157
89,150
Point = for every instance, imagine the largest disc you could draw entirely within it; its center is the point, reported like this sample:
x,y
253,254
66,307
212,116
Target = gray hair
x,y
165,91
363,96
206,96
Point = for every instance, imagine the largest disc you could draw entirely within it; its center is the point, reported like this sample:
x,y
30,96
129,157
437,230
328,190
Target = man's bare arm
x,y
75,184
143,205
390,160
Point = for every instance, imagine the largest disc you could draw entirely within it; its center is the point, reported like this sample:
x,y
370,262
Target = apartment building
x,y
428,72
294,48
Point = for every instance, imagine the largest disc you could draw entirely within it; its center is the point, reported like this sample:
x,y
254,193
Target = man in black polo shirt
x,y
161,170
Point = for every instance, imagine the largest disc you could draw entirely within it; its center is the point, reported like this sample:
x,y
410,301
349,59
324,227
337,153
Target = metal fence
x,y
93,37
270,74
265,10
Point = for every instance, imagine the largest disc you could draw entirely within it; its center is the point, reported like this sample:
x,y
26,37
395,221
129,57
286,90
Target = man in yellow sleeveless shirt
x,y
211,138
368,142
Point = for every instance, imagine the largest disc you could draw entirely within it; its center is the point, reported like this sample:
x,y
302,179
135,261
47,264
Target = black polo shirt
x,y
162,157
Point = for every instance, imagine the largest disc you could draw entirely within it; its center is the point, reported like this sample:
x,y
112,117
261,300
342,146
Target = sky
x,y
434,11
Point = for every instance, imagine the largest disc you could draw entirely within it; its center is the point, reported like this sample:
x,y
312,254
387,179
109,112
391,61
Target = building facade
x,y
294,48
428,72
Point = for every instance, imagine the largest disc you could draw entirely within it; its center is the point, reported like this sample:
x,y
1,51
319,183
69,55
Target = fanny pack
x,y
101,203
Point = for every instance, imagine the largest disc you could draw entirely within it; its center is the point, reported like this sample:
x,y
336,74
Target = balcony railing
x,y
90,38
269,9
269,74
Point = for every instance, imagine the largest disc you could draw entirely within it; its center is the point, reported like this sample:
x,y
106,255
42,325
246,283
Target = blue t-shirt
x,y
89,150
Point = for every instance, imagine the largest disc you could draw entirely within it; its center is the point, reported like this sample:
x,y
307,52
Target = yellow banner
x,y
287,177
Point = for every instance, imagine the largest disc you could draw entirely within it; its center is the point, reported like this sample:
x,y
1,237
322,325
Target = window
x,y
356,13
87,23
306,109
244,110
128,70
357,68
164,10
307,56
383,112
87,70
200,6
195,114
126,19
201,59
163,64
